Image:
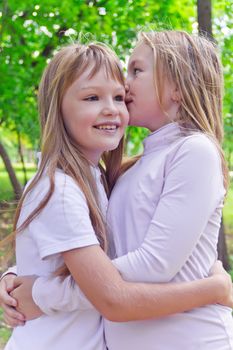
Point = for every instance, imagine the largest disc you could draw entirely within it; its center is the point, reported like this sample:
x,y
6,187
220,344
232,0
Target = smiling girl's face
x,y
95,114
142,102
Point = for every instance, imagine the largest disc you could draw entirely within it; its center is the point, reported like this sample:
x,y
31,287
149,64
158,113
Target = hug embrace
x,y
116,254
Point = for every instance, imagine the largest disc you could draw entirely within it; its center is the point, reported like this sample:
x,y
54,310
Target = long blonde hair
x,y
192,63
57,148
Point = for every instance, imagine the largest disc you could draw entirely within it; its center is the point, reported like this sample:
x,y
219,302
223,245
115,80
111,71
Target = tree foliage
x,y
31,31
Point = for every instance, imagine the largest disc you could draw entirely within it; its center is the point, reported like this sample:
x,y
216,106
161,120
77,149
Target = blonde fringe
x,y
58,150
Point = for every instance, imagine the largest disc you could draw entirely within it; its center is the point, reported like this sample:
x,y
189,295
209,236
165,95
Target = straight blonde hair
x,y
192,63
57,148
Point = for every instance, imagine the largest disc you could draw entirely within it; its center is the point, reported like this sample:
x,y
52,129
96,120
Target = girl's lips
x,y
107,124
128,103
128,100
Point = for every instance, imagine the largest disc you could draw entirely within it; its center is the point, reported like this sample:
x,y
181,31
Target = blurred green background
x,y
32,31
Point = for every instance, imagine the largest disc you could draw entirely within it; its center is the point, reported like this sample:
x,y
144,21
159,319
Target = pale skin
x,y
114,298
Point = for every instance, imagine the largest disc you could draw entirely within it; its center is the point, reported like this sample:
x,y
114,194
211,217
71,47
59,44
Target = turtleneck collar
x,y
163,136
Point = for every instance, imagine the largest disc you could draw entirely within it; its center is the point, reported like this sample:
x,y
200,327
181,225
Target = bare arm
x,y
118,300
123,301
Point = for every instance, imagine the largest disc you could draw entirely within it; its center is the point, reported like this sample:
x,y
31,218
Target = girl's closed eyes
x,y
136,71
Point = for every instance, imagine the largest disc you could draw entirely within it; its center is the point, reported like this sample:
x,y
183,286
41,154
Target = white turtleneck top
x,y
164,216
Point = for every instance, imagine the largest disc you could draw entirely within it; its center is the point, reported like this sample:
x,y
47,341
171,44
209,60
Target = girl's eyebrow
x,y
89,87
99,87
135,62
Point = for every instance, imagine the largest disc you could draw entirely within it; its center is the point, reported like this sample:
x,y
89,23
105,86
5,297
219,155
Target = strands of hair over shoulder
x,y
57,148
192,63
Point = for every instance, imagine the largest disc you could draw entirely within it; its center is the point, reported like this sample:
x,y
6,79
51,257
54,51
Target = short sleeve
x,y
64,223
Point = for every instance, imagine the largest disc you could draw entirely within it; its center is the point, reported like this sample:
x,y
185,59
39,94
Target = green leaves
x,y
30,32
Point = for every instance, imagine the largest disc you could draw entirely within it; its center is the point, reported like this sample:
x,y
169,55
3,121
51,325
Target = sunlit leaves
x,y
30,32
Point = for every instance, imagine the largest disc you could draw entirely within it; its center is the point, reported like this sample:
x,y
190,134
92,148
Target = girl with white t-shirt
x,y
61,215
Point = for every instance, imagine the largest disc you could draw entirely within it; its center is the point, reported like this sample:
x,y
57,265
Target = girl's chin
x,y
134,122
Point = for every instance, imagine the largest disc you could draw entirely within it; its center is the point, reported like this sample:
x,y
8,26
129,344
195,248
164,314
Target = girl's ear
x,y
176,95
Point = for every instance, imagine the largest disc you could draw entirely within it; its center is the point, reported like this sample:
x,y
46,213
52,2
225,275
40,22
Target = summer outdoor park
x,y
32,31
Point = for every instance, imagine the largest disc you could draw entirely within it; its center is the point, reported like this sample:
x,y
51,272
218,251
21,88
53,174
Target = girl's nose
x,y
110,109
127,87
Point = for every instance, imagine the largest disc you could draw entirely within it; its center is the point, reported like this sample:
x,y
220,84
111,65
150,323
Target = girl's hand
x,y
226,292
23,294
12,317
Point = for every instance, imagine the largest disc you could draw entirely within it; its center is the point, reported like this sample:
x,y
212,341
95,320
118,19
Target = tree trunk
x,y
205,26
14,181
204,17
20,151
222,248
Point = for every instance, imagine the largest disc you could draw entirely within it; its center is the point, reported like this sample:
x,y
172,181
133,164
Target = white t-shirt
x,y
62,225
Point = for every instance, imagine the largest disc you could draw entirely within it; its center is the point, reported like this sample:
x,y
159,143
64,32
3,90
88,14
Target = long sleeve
x,y
55,294
192,191
11,270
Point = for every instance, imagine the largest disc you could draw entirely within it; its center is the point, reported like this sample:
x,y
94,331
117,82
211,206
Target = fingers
x,y
13,322
5,298
12,317
7,282
8,300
